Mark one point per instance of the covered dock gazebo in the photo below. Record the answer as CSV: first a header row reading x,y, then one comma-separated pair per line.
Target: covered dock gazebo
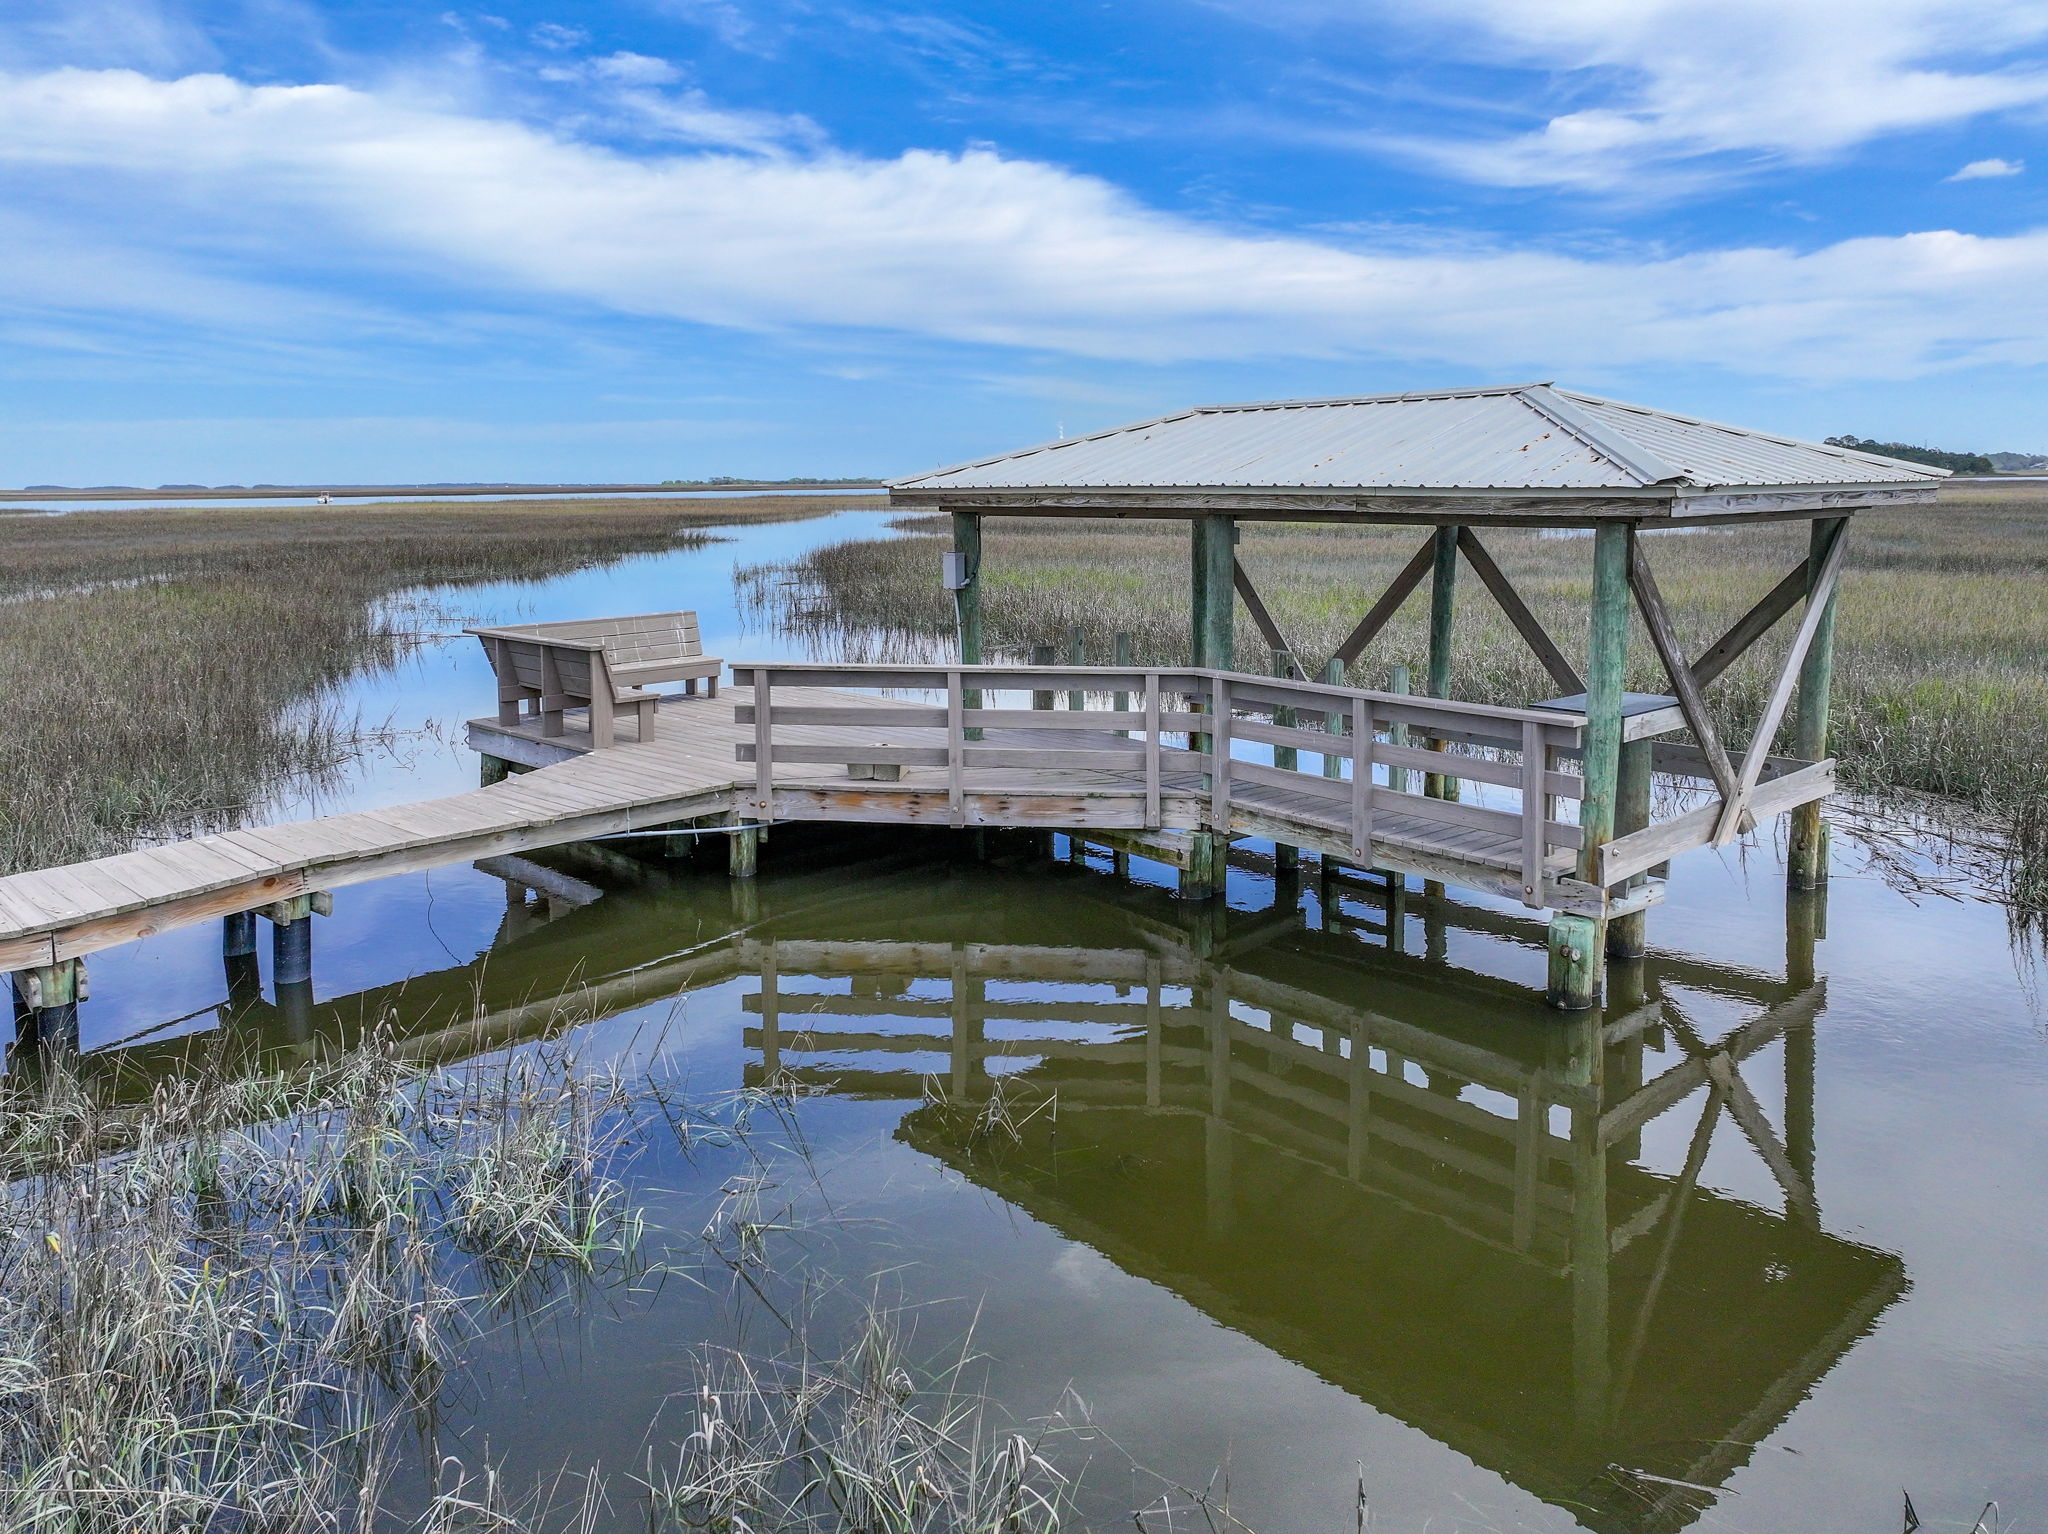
x,y
1458,462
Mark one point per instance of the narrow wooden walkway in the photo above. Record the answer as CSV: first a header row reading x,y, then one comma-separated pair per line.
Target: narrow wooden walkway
x,y
686,773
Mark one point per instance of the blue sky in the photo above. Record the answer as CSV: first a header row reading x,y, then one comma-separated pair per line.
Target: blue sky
x,y
288,241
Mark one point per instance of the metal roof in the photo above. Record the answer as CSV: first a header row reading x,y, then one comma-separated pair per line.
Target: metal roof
x,y
1529,437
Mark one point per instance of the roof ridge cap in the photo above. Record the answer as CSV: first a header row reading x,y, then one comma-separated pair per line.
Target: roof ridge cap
x,y
1553,404
1762,436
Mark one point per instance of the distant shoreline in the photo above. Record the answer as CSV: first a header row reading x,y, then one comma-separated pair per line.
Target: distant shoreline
x,y
386,492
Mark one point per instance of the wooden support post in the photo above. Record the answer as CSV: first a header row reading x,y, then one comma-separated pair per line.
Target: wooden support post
x,y
492,769
1578,943
967,599
1077,655
742,850
47,999
1041,655
1806,862
291,952
1213,624
771,1017
1120,655
238,934
1333,721
1208,854
1627,935
1443,603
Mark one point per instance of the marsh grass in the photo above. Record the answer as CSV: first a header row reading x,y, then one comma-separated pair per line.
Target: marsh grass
x,y
167,668
235,1305
1939,688
247,1301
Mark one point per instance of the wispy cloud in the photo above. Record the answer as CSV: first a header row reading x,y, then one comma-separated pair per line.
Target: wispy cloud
x,y
1987,170
1698,87
298,184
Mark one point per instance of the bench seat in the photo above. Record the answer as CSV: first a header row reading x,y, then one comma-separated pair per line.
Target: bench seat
x,y
602,663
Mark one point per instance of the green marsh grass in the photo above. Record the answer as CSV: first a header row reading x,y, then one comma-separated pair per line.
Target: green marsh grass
x,y
166,668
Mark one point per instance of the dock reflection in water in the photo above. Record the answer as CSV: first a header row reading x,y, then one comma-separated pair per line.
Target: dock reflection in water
x,y
1419,1183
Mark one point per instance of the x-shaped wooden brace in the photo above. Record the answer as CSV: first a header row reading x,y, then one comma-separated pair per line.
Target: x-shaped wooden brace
x,y
1688,680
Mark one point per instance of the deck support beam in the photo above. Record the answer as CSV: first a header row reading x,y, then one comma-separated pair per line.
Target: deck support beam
x,y
1806,859
1578,942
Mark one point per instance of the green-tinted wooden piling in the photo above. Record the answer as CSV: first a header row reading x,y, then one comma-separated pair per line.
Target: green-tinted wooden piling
x,y
1578,943
1212,613
490,769
1207,865
1333,761
1042,655
967,601
1120,655
1443,610
1806,861
743,852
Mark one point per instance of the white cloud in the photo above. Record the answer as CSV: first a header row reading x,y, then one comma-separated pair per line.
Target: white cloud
x,y
320,180
1985,170
1666,82
636,69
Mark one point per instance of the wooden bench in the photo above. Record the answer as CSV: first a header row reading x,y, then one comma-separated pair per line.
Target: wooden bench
x,y
601,663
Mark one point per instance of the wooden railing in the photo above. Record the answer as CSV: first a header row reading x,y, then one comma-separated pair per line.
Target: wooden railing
x,y
1188,731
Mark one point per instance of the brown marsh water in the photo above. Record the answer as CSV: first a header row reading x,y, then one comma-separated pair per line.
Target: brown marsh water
x,y
1291,1194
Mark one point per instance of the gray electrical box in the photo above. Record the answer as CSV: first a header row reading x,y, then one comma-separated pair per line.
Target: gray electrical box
x,y
956,572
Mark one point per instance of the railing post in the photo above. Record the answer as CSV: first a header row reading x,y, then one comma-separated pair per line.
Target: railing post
x,y
764,746
1285,858
1041,655
1219,761
1627,936
1399,681
1077,655
1361,780
1152,815
1535,841
956,749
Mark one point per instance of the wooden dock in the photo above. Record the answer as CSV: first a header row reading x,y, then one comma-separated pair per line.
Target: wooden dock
x,y
1169,763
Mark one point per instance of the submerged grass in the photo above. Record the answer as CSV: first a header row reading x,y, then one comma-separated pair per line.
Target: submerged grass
x,y
167,668
1938,690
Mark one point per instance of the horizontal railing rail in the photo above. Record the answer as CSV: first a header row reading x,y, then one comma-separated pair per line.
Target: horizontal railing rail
x,y
1182,731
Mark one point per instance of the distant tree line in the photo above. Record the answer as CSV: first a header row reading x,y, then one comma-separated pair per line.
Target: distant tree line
x,y
1961,463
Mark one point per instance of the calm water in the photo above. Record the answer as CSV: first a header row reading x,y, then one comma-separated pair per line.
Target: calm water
x,y
1303,1182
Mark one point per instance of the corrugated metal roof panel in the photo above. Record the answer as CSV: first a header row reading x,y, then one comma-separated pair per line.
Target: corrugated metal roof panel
x,y
1524,436
1711,455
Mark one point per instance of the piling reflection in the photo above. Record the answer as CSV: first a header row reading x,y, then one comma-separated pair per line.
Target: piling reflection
x,y
1417,1182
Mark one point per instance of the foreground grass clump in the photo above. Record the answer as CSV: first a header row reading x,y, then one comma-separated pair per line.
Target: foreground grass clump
x,y
1938,688
252,1302
167,668
236,1305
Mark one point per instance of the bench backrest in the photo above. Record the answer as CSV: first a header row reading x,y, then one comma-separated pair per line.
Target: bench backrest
x,y
643,637
578,665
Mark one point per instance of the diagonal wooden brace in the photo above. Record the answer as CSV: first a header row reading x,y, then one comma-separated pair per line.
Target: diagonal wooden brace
x,y
1692,702
1390,601
1533,633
